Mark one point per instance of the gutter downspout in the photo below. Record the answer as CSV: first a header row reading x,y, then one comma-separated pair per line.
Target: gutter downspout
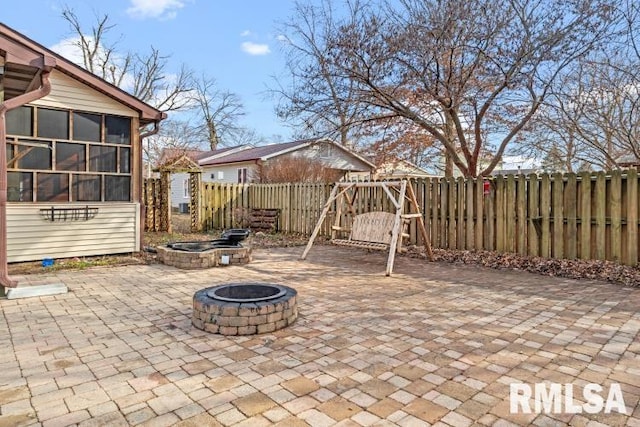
x,y
143,206
5,106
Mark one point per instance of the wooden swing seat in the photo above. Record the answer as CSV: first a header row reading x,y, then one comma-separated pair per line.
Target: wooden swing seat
x,y
371,230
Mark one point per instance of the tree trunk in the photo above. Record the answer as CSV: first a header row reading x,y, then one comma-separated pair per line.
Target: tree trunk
x,y
448,164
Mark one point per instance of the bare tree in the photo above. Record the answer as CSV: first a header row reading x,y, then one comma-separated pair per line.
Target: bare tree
x,y
592,118
145,76
295,169
178,135
311,97
485,67
218,111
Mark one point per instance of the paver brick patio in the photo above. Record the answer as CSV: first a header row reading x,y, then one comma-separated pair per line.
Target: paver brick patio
x,y
434,344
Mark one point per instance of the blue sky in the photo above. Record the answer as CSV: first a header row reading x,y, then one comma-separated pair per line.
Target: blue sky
x,y
233,41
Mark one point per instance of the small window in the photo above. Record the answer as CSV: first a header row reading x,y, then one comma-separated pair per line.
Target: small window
x,y
242,175
86,188
185,188
53,123
20,186
117,188
70,157
53,187
20,121
213,176
87,127
325,150
220,174
125,159
102,159
118,130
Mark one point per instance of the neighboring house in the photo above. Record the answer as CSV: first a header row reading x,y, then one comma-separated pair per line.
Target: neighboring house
x,y
180,193
243,166
629,161
73,156
400,169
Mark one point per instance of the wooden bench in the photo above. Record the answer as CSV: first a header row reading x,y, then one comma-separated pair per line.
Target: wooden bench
x,y
264,219
371,230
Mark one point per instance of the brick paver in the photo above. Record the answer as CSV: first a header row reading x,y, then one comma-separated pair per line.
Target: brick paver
x,y
433,344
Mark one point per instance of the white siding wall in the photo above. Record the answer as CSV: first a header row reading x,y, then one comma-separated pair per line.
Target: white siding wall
x,y
331,156
230,172
30,237
68,93
177,189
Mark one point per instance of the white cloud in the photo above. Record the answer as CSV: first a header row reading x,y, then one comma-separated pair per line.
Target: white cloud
x,y
69,49
160,9
282,38
246,33
255,48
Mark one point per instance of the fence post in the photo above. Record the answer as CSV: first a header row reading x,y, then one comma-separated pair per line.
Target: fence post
x,y
632,217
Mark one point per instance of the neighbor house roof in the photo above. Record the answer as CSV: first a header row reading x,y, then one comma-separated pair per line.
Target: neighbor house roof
x,y
266,152
170,154
25,59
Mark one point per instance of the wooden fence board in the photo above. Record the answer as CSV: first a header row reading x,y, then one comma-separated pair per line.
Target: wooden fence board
x,y
570,212
479,214
469,216
615,203
632,217
533,208
557,191
585,216
521,206
600,205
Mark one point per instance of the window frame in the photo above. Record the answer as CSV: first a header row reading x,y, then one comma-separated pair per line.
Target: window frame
x,y
121,169
242,175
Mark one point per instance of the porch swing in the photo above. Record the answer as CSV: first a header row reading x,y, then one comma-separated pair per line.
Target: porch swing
x,y
375,230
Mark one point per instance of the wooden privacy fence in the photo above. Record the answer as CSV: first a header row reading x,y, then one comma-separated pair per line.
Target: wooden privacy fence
x,y
586,215
228,205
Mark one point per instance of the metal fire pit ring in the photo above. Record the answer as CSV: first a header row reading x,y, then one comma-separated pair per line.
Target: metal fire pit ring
x,y
247,292
244,308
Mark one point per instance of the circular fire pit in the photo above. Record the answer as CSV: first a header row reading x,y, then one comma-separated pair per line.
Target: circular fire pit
x,y
244,308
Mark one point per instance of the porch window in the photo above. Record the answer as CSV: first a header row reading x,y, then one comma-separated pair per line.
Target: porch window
x,y
118,130
53,123
87,127
20,121
86,188
20,186
71,157
65,155
53,187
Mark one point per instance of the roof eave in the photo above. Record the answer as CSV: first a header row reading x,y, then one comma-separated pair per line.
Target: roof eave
x,y
30,50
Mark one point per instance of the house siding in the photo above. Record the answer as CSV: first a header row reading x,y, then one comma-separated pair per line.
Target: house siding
x,y
230,172
335,158
177,189
67,93
30,237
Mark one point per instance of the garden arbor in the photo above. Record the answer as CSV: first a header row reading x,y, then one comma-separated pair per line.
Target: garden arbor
x,y
181,164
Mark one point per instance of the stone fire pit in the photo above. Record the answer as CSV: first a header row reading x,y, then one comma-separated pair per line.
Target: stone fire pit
x,y
244,308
